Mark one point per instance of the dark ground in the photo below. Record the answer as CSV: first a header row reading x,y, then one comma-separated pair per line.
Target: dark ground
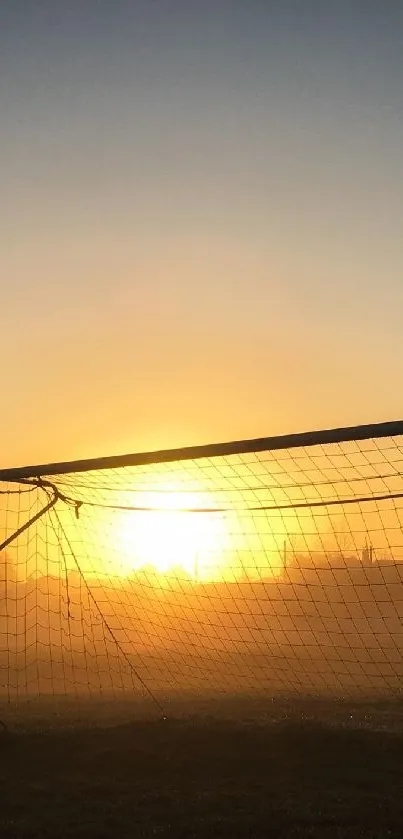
x,y
300,771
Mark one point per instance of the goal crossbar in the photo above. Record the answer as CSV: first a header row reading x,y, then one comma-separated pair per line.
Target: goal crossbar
x,y
236,447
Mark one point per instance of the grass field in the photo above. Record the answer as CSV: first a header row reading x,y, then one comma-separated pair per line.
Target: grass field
x,y
300,771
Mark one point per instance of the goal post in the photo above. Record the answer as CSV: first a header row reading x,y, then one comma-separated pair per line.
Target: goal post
x,y
258,568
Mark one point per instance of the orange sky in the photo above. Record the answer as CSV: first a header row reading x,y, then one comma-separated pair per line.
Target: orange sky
x,y
202,238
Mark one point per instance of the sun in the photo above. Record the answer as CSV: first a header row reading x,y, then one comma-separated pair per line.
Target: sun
x,y
176,530
167,531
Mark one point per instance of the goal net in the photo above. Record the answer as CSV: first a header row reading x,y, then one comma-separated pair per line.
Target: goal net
x,y
267,567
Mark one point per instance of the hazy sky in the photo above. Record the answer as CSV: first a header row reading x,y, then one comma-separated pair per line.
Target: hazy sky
x,y
201,234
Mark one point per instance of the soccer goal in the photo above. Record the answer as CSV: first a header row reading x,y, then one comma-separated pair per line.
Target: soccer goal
x,y
256,568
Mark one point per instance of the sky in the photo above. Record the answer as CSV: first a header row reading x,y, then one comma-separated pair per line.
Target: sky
x,y
201,221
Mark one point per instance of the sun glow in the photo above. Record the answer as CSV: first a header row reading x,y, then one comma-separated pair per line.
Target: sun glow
x,y
181,530
174,530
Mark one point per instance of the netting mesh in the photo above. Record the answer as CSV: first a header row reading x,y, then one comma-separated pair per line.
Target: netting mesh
x,y
269,572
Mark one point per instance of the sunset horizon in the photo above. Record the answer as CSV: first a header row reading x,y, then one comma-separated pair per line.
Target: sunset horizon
x,y
201,467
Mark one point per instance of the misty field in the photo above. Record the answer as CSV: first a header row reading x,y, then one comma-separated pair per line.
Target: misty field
x,y
307,769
